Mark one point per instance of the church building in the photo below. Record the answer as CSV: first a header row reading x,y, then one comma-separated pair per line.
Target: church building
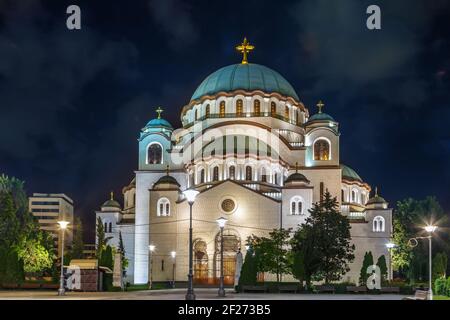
x,y
258,158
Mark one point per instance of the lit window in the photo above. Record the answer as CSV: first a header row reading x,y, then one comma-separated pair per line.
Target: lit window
x,y
296,206
257,108
163,207
342,196
321,150
273,108
207,111
354,196
239,108
154,154
222,109
263,175
378,224
286,113
202,176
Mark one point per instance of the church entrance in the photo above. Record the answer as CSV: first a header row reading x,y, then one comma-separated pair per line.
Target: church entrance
x,y
231,246
200,262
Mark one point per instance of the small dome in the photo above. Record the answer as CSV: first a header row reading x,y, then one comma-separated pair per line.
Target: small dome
x,y
158,123
350,174
296,177
248,77
111,203
321,117
167,179
376,199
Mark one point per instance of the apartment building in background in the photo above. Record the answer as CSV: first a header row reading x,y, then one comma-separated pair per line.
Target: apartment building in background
x,y
49,208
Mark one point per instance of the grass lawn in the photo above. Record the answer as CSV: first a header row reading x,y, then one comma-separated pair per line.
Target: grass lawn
x,y
441,298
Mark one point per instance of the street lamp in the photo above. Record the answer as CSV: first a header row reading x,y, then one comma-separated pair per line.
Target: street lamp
x,y
390,246
151,249
221,222
190,195
63,226
430,229
173,254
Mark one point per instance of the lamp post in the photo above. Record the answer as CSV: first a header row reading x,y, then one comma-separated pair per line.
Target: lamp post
x,y
151,248
173,254
190,195
430,229
390,246
63,226
221,222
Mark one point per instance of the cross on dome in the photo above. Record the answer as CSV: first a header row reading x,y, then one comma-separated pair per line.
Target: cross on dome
x,y
159,111
320,105
112,195
245,47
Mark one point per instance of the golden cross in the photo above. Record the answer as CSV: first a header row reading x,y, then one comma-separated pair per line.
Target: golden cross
x,y
320,105
245,47
112,195
159,110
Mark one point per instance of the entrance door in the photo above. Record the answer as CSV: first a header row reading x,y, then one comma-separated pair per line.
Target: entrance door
x,y
231,245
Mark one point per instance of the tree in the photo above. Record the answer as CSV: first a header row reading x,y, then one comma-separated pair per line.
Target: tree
x,y
439,265
78,243
272,252
248,271
330,233
381,263
102,240
106,259
401,253
36,258
367,261
122,252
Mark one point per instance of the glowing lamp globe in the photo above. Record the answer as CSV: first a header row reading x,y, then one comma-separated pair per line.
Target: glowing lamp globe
x,y
151,247
190,195
222,222
430,229
63,224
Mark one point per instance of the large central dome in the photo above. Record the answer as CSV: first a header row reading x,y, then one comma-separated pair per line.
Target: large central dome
x,y
247,77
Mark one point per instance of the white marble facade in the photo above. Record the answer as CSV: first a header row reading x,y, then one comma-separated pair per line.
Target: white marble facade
x,y
258,158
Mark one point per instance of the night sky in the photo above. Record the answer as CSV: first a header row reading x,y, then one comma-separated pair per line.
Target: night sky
x,y
72,103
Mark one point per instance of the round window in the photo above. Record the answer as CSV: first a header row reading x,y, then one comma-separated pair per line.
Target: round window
x,y
228,205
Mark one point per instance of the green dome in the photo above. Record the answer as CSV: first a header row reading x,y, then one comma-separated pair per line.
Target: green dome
x,y
246,77
321,117
159,122
167,179
111,203
298,177
350,174
376,199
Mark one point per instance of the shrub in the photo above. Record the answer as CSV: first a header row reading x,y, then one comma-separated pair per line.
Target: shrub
x,y
107,282
448,286
440,286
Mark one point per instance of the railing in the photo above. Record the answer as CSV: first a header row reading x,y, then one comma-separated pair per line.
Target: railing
x,y
241,115
273,195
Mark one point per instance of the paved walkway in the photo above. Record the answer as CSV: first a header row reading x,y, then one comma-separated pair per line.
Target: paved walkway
x,y
178,294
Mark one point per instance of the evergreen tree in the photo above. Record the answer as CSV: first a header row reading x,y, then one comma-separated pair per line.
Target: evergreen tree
x,y
306,259
106,259
367,262
122,252
102,240
381,263
78,243
248,270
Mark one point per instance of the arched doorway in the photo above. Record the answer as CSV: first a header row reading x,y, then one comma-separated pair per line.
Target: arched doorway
x,y
200,262
231,245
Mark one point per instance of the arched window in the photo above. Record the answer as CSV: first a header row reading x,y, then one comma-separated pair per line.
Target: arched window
x,y
297,117
163,207
195,115
202,176
363,198
207,111
248,173
239,108
263,175
296,206
354,196
106,226
257,108
154,154
222,109
110,227
286,113
273,108
232,172
378,224
275,178
321,150
216,174
342,196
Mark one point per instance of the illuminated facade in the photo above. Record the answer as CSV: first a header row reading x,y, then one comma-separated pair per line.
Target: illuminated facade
x,y
258,158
